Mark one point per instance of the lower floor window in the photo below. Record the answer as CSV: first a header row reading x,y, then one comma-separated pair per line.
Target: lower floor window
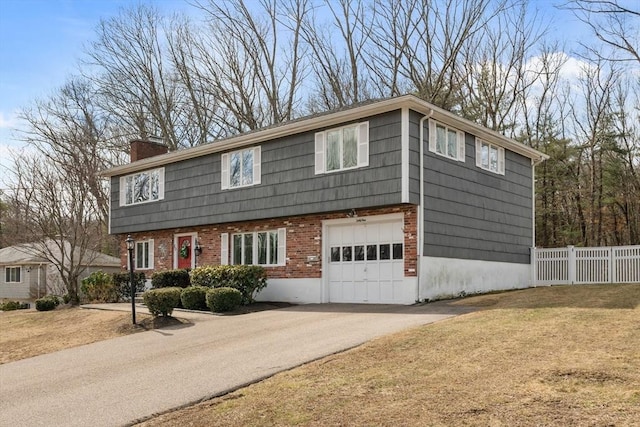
x,y
144,255
259,248
12,274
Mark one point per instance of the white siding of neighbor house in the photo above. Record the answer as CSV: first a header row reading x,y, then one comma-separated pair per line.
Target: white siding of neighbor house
x,y
33,286
28,286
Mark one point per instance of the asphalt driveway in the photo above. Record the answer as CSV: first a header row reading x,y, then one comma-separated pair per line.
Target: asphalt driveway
x,y
119,381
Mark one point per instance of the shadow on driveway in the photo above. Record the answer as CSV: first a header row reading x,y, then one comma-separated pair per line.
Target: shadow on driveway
x,y
438,307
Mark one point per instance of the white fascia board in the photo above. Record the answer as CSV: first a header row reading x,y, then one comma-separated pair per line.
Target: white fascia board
x,y
322,121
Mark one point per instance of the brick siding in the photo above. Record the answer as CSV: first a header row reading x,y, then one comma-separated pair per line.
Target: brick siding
x,y
304,239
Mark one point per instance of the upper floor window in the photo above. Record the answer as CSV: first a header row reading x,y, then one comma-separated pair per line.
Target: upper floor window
x,y
258,248
144,255
142,187
489,157
446,141
241,168
342,148
12,274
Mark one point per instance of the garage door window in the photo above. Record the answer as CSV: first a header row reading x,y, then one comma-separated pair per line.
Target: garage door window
x,y
382,252
385,252
372,252
397,251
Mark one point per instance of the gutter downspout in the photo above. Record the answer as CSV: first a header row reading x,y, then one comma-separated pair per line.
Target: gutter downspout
x,y
420,224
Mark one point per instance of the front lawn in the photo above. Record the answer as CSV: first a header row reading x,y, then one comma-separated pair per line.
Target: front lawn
x,y
556,356
28,333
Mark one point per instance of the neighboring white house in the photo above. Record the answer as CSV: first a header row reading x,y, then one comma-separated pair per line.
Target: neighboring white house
x,y
26,274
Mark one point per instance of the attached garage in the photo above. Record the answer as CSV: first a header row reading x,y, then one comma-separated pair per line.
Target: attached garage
x,y
365,260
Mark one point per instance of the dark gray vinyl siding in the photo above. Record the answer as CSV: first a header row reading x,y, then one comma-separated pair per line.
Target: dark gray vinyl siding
x,y
475,214
289,186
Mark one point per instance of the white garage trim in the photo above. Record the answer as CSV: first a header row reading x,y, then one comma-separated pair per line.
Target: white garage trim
x,y
366,280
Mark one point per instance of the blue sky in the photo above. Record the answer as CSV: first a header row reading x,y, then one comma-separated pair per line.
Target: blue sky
x,y
41,41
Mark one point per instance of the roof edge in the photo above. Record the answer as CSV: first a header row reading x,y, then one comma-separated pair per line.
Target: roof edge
x,y
326,120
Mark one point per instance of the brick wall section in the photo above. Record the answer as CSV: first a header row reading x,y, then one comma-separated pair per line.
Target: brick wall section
x,y
304,239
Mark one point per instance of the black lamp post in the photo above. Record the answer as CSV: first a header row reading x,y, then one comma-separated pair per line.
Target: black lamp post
x,y
197,251
130,246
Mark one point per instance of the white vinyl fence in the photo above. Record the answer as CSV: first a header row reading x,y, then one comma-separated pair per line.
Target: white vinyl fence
x,y
571,265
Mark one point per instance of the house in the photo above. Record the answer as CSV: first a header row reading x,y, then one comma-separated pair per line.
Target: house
x,y
27,274
393,201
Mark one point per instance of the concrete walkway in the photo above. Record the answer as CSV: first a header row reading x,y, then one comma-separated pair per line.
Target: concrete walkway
x,y
119,381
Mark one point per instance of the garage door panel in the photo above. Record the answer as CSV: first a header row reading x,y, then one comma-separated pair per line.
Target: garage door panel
x,y
385,272
373,291
373,271
398,269
387,234
386,290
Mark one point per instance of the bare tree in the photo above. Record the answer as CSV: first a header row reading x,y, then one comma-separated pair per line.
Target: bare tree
x,y
338,54
135,82
76,136
497,68
252,60
613,24
435,56
60,217
199,108
393,30
594,130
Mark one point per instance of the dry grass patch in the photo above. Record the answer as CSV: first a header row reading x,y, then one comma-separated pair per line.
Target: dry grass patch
x,y
546,356
28,333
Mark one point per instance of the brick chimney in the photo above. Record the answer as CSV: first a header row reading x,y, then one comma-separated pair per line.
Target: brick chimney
x,y
141,149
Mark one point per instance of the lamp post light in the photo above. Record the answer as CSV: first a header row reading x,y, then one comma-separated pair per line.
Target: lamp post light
x,y
197,251
130,246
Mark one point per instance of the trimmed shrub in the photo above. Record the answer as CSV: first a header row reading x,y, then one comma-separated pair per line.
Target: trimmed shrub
x,y
162,301
123,287
194,298
99,287
47,303
248,279
223,299
207,275
10,306
170,278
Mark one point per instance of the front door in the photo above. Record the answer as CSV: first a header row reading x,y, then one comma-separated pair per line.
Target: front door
x,y
185,253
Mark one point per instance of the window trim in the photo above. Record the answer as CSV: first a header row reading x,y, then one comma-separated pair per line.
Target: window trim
x,y
123,185
227,249
460,141
362,147
501,157
7,274
150,255
225,168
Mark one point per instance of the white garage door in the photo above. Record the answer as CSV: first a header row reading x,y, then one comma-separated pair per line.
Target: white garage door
x,y
366,262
